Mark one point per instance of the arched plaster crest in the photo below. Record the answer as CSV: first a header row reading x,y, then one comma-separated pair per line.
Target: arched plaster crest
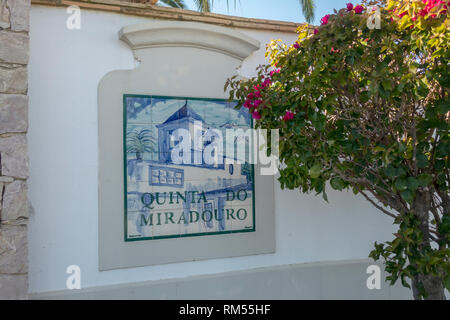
x,y
188,34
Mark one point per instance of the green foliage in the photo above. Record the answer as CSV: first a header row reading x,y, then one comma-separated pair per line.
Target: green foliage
x,y
405,257
203,5
308,10
370,114
175,3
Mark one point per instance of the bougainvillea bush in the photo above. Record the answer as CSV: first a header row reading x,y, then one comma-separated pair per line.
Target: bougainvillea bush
x,y
366,109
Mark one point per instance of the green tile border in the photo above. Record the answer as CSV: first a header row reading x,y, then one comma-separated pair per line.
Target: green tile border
x,y
126,238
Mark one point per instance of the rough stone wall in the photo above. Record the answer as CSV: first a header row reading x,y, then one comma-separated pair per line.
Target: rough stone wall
x,y
14,51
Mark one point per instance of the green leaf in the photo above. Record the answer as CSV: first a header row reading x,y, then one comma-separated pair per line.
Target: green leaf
x,y
324,195
378,149
407,195
447,282
444,227
386,85
443,107
390,171
424,179
401,184
405,283
315,170
337,183
422,161
413,183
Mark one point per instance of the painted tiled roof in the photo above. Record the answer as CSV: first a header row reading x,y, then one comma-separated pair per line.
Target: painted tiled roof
x,y
184,112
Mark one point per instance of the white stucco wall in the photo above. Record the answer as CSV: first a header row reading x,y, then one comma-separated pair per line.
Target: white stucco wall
x,y
64,70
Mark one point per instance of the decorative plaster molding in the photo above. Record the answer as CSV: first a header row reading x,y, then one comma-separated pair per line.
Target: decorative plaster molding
x,y
189,34
165,13
178,59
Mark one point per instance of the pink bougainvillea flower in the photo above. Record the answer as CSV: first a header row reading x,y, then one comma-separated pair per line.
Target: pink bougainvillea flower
x,y
296,45
403,14
430,4
257,94
334,50
316,31
247,104
349,6
359,9
256,115
266,83
324,20
288,116
423,12
256,103
274,71
250,95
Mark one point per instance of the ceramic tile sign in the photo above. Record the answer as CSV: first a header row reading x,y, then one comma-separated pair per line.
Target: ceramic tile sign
x,y
180,178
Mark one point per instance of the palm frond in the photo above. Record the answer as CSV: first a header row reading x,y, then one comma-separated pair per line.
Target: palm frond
x,y
228,4
308,10
203,5
175,3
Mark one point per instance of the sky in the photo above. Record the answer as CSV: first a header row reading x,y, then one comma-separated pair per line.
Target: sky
x,y
284,10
